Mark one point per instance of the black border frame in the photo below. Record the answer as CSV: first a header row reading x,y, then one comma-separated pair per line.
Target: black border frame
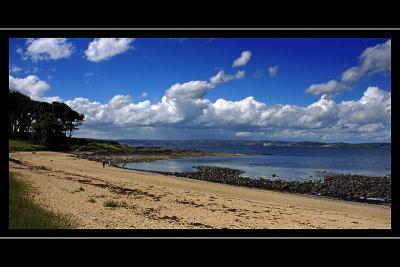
x,y
201,33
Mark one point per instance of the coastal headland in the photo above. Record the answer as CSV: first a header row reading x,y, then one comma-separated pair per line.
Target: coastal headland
x,y
148,154
114,198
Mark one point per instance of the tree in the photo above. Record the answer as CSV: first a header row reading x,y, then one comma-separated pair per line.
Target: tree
x,y
70,119
48,130
45,123
20,115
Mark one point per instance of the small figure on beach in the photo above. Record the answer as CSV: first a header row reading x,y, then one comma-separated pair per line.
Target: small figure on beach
x,y
109,163
104,164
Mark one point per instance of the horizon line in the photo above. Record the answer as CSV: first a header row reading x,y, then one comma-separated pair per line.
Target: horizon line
x,y
243,140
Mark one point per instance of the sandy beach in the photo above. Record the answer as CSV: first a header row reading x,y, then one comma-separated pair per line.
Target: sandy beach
x,y
145,200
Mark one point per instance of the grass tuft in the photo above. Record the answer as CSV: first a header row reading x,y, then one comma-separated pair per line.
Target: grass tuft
x,y
93,146
22,145
80,189
24,213
110,204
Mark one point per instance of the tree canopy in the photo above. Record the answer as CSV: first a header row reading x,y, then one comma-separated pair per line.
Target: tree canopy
x,y
44,123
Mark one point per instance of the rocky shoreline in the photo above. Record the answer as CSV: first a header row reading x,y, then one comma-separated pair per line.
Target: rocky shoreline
x,y
148,154
360,188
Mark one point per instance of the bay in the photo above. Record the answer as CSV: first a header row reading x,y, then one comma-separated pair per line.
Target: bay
x,y
284,162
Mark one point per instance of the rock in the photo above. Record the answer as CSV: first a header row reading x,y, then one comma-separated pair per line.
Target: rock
x,y
342,186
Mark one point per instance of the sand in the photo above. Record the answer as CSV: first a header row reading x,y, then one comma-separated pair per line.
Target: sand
x,y
153,201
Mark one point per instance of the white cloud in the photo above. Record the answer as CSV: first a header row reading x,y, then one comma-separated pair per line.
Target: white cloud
x,y
352,74
105,48
243,134
242,60
332,87
322,113
373,107
189,90
185,108
14,69
371,128
47,48
144,95
273,71
221,77
373,60
31,85
20,51
240,74
119,101
49,99
324,119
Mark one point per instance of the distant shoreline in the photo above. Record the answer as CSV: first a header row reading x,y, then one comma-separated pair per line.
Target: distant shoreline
x,y
149,154
210,142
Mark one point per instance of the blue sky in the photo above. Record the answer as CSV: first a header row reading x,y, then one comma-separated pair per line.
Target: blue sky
x,y
144,69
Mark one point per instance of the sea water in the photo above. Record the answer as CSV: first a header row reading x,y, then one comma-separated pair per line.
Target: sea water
x,y
288,163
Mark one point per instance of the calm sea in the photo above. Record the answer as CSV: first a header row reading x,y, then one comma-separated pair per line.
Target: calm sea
x,y
289,163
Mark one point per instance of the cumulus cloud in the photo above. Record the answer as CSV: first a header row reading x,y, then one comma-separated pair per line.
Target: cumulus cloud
x,y
189,90
47,48
187,109
242,60
119,101
31,86
198,89
373,60
376,59
273,71
373,107
332,87
221,77
105,48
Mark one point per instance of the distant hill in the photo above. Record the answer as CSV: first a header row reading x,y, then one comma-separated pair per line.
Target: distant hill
x,y
212,142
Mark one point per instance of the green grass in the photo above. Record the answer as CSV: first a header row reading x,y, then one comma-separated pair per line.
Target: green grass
x,y
22,145
92,200
102,146
110,204
24,213
80,189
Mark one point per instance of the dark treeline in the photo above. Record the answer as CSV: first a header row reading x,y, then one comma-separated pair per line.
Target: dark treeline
x,y
43,123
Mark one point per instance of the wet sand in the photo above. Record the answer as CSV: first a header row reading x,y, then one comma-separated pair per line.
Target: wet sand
x,y
148,200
